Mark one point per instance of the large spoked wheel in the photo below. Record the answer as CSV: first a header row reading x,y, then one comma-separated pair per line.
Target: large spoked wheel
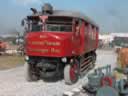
x,y
29,74
71,74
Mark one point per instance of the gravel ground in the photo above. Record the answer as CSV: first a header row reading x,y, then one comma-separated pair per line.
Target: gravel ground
x,y
13,83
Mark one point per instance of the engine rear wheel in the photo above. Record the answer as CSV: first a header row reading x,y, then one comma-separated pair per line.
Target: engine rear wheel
x,y
29,74
93,60
71,75
94,57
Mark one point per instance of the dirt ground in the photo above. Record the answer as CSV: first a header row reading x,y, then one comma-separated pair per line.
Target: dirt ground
x,y
7,62
13,82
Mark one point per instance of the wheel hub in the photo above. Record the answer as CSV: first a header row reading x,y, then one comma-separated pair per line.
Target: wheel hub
x,y
73,72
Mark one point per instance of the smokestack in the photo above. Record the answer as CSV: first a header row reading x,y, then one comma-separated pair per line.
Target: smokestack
x,y
47,9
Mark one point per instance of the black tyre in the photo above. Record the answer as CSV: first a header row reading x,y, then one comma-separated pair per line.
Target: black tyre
x,y
29,74
94,57
93,60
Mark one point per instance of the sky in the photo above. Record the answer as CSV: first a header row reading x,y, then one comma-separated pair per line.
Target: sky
x,y
110,15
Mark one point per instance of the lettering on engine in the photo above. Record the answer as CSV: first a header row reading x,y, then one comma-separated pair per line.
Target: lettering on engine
x,y
52,50
45,43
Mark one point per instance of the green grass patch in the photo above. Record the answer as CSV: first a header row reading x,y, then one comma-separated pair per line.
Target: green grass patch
x,y
7,62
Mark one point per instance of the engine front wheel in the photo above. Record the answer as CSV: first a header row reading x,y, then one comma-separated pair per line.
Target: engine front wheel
x,y
29,74
71,75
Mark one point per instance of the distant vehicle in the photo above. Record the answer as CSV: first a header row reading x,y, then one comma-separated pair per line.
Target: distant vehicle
x,y
59,44
3,47
119,41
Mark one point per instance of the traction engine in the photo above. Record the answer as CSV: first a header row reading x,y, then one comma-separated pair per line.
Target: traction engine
x,y
59,44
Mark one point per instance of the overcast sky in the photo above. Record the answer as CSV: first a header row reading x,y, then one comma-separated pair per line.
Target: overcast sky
x,y
110,15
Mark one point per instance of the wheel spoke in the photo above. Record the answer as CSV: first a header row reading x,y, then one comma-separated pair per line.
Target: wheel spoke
x,y
73,72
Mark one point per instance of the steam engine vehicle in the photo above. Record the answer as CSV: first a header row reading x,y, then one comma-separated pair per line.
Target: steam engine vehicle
x,y
59,44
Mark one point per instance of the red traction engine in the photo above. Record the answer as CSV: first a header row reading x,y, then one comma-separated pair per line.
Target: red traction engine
x,y
59,44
